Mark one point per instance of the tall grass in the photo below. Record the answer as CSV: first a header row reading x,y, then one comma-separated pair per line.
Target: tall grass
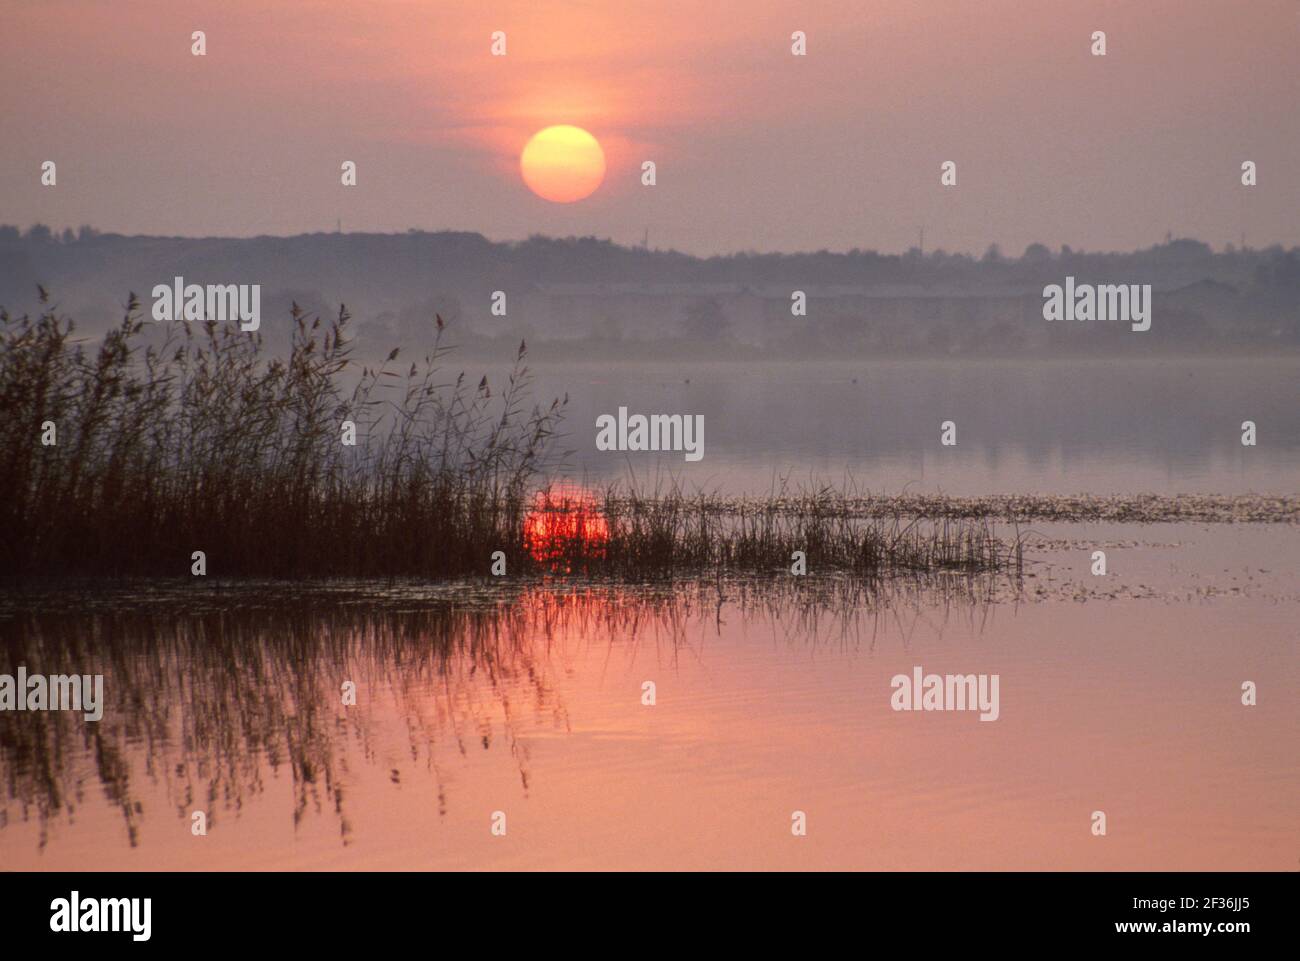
x,y
193,438
201,442
629,533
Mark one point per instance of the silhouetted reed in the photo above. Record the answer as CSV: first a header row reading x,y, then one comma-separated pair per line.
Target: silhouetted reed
x,y
201,442
192,438
628,533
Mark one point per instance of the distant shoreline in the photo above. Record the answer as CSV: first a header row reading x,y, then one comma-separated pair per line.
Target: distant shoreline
x,y
642,353
1070,508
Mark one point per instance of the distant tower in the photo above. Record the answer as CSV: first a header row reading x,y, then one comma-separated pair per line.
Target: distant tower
x,y
340,226
645,239
922,244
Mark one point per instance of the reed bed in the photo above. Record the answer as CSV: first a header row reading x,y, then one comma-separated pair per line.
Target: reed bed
x,y
629,534
193,438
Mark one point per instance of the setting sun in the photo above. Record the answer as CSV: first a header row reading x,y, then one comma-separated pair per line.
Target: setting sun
x,y
562,164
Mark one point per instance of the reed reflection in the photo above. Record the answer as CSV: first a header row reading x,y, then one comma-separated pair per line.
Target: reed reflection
x,y
210,693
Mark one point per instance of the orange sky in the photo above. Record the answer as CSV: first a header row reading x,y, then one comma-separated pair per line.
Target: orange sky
x,y
755,148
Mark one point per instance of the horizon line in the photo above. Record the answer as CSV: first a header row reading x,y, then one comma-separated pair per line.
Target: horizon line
x,y
1003,256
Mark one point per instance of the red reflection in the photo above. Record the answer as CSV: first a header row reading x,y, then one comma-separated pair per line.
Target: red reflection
x,y
566,523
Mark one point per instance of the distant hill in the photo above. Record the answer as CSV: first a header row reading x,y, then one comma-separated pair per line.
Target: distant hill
x,y
566,294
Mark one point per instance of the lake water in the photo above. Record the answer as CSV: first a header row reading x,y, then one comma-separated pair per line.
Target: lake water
x,y
1120,694
1095,426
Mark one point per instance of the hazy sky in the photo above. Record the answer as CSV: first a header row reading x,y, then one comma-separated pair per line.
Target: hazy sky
x,y
756,148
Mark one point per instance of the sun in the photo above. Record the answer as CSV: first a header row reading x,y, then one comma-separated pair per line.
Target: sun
x,y
562,164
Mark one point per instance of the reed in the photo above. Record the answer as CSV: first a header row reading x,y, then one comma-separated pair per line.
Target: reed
x,y
191,437
629,533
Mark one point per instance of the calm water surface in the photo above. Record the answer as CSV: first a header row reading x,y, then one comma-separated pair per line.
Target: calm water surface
x,y
1119,694
1094,426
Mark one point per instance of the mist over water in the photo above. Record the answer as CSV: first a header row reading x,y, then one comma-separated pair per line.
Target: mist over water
x,y
1098,426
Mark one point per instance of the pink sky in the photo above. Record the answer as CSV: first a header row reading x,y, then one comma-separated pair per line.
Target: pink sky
x,y
756,149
